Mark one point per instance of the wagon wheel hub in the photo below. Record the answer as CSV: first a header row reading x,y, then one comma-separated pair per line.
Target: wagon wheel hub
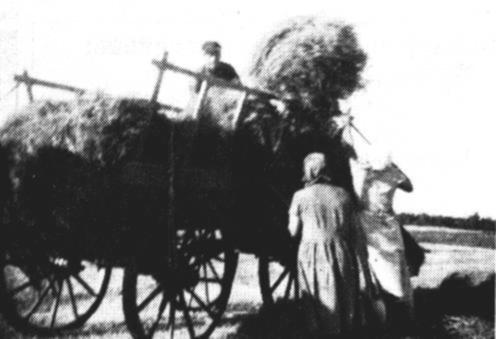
x,y
175,279
63,268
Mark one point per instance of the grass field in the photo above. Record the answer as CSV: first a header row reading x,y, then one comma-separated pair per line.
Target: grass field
x,y
449,236
454,292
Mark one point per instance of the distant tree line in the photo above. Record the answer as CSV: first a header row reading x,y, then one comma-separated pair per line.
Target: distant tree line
x,y
474,222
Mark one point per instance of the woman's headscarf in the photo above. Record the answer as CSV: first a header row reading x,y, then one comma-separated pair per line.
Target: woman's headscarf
x,y
314,167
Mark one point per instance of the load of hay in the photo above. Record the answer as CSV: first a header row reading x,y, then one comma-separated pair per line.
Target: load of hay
x,y
315,62
102,130
92,174
96,169
76,126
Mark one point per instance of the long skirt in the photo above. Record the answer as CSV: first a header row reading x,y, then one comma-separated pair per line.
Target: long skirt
x,y
387,254
328,282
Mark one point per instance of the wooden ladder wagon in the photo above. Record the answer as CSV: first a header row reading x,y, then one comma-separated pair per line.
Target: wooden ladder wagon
x,y
152,302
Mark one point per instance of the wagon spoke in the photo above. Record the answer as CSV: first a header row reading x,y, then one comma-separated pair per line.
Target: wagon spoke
x,y
210,280
57,303
279,280
85,285
150,298
173,322
207,292
276,279
172,316
161,309
288,286
189,322
40,301
214,271
21,288
190,300
219,258
201,302
73,299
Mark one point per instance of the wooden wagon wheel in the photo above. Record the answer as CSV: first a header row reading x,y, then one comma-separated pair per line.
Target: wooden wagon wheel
x,y
51,295
276,280
198,289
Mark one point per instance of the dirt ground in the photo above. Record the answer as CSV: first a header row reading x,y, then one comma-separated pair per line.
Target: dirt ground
x,y
441,261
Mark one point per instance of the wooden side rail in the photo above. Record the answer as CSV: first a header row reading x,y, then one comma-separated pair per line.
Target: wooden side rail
x,y
206,83
165,65
29,81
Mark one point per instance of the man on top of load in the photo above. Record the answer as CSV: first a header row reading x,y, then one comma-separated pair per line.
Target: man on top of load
x,y
214,67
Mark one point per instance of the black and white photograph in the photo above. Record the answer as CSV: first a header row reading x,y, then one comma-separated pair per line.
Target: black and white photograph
x,y
247,170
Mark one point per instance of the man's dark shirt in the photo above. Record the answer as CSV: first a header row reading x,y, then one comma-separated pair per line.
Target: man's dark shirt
x,y
222,71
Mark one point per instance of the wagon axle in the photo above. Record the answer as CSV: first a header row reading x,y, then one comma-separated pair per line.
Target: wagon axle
x,y
178,277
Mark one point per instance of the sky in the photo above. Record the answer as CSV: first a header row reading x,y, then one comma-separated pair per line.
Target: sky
x,y
429,82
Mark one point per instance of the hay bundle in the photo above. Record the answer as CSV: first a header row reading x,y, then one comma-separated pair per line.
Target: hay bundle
x,y
96,169
100,130
109,132
313,60
64,172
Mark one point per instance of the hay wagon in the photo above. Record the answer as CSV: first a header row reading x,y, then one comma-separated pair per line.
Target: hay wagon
x,y
178,272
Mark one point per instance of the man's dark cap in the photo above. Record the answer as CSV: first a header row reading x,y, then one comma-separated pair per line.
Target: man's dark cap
x,y
211,47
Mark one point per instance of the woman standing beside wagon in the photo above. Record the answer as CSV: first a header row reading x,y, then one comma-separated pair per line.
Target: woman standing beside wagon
x,y
321,217
386,241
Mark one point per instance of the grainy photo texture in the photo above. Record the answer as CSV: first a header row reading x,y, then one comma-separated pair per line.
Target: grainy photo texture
x,y
264,170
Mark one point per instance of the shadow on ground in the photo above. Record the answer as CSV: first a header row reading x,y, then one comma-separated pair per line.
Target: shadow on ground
x,y
461,307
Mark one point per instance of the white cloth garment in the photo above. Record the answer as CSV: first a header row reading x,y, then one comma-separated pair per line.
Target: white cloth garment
x,y
384,239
